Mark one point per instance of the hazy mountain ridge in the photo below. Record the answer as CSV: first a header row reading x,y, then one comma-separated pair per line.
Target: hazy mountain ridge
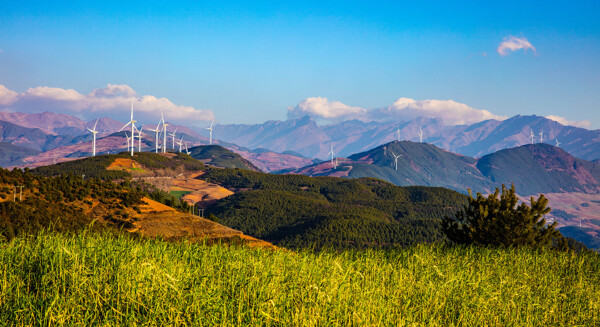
x,y
308,138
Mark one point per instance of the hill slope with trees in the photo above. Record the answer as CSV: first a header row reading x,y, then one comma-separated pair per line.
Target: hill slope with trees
x,y
218,156
298,211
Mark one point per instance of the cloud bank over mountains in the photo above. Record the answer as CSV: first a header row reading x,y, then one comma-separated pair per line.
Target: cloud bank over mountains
x,y
110,100
564,121
451,112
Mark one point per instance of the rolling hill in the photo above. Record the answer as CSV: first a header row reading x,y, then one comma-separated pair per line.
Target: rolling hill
x,y
533,168
541,168
12,155
218,156
572,184
69,196
298,211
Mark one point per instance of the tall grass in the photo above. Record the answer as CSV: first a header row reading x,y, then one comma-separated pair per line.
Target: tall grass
x,y
105,280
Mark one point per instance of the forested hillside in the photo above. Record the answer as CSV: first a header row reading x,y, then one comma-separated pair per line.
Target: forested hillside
x,y
218,156
299,211
63,203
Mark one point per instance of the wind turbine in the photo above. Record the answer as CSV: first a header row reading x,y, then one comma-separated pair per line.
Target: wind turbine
x,y
156,132
542,137
398,134
128,138
557,143
140,139
162,117
180,143
332,154
532,137
396,159
132,122
210,129
173,136
421,134
94,132
186,149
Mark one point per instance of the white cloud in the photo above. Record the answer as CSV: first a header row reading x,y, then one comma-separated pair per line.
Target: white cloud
x,y
319,107
513,43
112,100
564,121
7,97
451,112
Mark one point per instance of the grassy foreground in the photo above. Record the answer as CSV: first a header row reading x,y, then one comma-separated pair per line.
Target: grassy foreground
x,y
106,280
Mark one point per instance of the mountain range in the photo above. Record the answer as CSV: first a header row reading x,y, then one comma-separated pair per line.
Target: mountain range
x,y
309,139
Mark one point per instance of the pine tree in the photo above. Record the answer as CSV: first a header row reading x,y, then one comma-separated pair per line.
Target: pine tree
x,y
497,220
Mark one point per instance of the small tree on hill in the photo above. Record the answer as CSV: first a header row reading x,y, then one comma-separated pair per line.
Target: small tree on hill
x,y
498,221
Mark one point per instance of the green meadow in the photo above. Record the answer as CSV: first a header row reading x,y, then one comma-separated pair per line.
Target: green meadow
x,y
94,279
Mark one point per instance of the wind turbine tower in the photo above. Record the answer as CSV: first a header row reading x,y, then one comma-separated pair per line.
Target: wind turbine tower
x,y
532,137
420,134
162,117
156,132
128,138
132,122
140,139
173,136
332,154
180,143
210,129
542,137
94,132
396,159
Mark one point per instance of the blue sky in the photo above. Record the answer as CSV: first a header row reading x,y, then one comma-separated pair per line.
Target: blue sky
x,y
248,63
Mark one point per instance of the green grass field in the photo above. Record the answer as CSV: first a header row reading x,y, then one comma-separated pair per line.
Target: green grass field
x,y
179,194
90,279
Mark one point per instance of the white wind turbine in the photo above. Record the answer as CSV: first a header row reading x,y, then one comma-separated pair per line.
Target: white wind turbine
x,y
180,143
332,154
132,122
210,129
186,149
557,143
420,134
162,117
398,134
140,139
396,159
94,132
156,132
532,137
173,136
542,137
128,138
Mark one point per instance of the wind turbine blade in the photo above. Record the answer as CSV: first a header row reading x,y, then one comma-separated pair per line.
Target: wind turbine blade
x,y
125,126
96,124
